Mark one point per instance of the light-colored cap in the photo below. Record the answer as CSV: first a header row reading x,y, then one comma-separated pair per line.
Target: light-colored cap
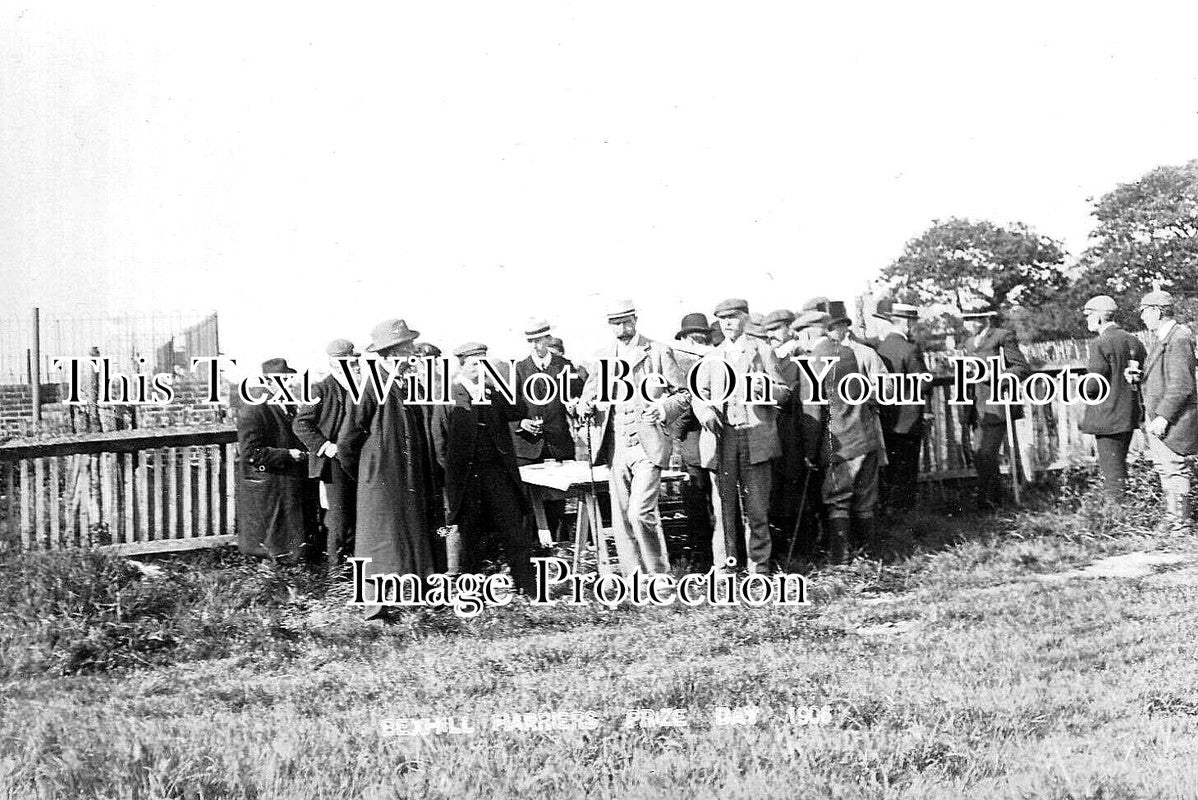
x,y
1159,299
1101,302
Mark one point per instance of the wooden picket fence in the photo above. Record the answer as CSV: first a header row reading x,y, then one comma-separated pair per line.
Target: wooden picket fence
x,y
158,490
138,491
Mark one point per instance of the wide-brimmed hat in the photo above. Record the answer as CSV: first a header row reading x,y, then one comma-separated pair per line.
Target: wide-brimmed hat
x,y
274,366
695,322
389,333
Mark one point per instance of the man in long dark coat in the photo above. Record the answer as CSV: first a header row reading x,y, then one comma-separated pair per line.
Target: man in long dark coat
x,y
384,445
318,426
483,491
1113,421
276,505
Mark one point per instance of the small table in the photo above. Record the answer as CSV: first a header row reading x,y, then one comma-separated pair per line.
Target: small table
x,y
558,479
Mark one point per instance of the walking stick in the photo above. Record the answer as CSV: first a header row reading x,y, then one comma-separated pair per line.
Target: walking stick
x,y
1012,450
794,534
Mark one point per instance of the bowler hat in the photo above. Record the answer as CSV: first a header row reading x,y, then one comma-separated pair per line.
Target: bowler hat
x,y
341,348
274,366
693,323
619,310
537,328
1159,298
733,305
778,319
470,349
389,333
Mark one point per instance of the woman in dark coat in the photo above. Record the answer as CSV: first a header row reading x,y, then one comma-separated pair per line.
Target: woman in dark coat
x,y
385,444
276,504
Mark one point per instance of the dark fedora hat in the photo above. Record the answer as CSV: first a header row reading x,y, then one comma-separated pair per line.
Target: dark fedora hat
x,y
389,333
274,366
693,323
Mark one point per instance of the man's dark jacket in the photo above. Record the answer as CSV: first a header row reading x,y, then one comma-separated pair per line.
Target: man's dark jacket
x,y
995,341
903,357
1121,411
456,430
555,436
276,504
1169,390
318,424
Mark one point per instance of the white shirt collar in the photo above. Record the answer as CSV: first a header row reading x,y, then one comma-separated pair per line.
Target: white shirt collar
x,y
542,363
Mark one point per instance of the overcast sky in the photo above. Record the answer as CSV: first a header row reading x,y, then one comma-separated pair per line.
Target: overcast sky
x,y
309,172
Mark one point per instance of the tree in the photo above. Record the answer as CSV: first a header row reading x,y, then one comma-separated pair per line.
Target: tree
x,y
960,262
1147,232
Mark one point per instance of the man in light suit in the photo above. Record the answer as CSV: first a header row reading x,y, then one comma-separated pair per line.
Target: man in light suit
x,y
633,437
989,420
1113,421
1170,405
739,439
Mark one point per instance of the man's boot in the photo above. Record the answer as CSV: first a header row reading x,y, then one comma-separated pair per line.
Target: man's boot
x,y
838,539
867,535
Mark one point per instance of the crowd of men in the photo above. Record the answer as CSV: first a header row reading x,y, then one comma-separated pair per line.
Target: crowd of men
x,y
421,488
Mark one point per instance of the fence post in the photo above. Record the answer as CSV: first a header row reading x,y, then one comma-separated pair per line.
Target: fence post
x,y
35,370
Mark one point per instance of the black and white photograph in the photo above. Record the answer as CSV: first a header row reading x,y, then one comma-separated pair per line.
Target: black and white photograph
x,y
614,400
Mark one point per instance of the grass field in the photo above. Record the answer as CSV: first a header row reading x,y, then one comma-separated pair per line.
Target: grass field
x,y
973,665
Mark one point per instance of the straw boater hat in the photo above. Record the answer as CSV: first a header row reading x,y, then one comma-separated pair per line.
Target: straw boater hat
x,y
889,310
621,309
536,328
977,312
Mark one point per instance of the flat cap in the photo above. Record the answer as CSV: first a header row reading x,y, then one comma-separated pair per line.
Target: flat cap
x,y
809,319
778,319
341,348
1101,302
816,304
619,310
1159,299
470,349
536,328
733,305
